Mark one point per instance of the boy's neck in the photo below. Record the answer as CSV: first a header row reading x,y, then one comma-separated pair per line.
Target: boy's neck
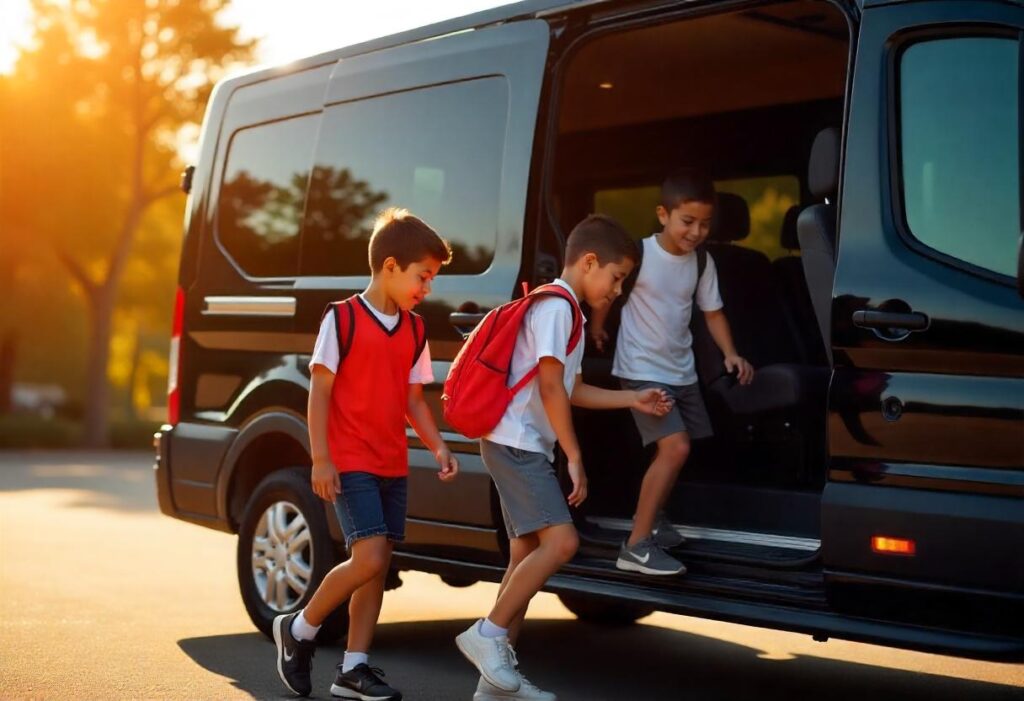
x,y
574,279
379,299
666,244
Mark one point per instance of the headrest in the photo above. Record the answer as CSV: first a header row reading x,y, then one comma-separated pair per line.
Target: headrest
x,y
788,237
823,169
731,221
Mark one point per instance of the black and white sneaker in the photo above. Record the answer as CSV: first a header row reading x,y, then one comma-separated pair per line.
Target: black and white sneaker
x,y
363,682
665,534
294,657
646,557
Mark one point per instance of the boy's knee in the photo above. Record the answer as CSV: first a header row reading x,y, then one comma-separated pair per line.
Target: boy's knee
x,y
675,449
372,559
566,545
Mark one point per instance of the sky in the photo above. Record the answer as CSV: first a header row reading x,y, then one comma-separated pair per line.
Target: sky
x,y
287,30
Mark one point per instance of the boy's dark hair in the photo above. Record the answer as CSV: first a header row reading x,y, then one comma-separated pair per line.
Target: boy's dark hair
x,y
687,185
604,237
399,235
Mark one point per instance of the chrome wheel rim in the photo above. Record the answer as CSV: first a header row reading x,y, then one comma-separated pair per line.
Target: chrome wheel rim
x,y
282,556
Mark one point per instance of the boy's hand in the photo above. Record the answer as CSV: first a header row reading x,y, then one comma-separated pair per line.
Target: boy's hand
x,y
325,481
579,482
744,370
447,462
652,401
599,336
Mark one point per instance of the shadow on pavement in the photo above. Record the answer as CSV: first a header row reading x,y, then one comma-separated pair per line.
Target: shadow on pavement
x,y
583,662
105,479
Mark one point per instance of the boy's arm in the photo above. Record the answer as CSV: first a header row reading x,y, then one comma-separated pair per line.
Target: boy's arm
x,y
422,421
324,476
718,325
650,401
559,413
595,326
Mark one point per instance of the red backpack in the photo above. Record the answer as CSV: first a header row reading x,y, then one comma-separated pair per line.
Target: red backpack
x,y
476,392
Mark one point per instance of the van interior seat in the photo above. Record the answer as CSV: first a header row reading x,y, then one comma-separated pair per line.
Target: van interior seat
x,y
789,273
816,229
761,332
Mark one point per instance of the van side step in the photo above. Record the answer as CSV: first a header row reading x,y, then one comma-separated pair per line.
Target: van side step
x,y
712,544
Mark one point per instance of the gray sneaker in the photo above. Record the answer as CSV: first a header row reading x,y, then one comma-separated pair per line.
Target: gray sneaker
x,y
665,534
646,557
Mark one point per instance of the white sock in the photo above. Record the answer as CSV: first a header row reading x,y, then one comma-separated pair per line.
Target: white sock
x,y
301,630
490,630
352,660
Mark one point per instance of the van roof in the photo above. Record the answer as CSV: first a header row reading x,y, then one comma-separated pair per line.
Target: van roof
x,y
525,9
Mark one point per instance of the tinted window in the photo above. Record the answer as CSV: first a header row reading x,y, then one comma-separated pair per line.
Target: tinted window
x,y
435,151
960,148
261,198
767,198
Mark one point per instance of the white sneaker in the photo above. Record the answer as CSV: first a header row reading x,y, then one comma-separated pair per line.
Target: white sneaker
x,y
527,692
491,656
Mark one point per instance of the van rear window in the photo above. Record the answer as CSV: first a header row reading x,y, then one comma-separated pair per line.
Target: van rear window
x,y
259,213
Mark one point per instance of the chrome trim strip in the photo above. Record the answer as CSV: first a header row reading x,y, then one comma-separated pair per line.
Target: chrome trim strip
x,y
249,306
719,534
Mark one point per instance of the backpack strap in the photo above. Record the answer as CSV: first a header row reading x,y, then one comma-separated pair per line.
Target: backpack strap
x,y
702,264
344,325
630,282
419,336
552,290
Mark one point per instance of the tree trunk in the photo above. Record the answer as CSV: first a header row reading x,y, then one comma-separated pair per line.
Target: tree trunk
x,y
97,388
8,353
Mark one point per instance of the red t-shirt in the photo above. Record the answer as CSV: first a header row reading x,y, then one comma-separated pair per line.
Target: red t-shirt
x,y
370,396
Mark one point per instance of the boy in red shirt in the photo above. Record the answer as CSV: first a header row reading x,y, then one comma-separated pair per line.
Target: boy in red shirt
x,y
362,391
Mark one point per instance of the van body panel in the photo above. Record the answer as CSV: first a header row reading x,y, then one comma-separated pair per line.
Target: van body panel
x,y
919,410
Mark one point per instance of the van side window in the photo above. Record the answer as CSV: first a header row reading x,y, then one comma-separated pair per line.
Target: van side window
x,y
262,195
960,145
436,151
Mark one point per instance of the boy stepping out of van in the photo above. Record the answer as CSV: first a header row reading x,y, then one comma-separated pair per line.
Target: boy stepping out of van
x,y
654,350
519,451
367,373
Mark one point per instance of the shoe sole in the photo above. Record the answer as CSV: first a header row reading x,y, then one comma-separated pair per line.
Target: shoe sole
x,y
487,696
279,643
479,668
630,566
343,692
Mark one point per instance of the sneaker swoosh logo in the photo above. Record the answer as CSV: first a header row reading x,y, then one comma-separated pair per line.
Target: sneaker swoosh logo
x,y
287,657
643,560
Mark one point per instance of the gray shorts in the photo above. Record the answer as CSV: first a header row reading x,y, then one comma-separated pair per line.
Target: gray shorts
x,y
689,414
531,498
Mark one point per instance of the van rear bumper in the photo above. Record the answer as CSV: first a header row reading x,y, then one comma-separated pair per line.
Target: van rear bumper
x,y
187,461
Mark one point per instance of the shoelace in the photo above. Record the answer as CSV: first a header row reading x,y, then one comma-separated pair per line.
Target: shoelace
x,y
523,681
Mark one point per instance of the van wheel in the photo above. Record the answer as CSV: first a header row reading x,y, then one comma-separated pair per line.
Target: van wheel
x,y
284,551
604,611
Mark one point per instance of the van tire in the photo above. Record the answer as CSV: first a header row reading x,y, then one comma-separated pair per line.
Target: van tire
x,y
289,491
604,611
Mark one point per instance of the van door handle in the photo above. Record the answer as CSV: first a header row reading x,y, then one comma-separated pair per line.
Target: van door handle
x,y
465,322
890,326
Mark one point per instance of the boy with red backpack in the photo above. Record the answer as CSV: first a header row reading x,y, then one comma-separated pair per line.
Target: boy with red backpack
x,y
543,373
366,381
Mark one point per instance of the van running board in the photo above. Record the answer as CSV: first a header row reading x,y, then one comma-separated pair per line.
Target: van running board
x,y
713,544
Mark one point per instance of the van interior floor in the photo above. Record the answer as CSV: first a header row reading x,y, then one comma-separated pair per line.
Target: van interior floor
x,y
783,569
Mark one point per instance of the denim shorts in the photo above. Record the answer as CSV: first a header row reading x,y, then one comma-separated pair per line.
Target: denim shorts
x,y
370,505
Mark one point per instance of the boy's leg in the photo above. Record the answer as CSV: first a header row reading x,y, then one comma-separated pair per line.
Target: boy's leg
x,y
673,450
557,545
364,606
519,549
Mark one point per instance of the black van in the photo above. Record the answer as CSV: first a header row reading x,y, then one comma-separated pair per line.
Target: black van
x,y
869,485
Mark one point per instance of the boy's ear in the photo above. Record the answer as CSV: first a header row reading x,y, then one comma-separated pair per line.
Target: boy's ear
x,y
390,264
662,214
590,261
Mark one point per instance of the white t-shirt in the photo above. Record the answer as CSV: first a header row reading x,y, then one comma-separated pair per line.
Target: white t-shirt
x,y
654,341
325,352
544,334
